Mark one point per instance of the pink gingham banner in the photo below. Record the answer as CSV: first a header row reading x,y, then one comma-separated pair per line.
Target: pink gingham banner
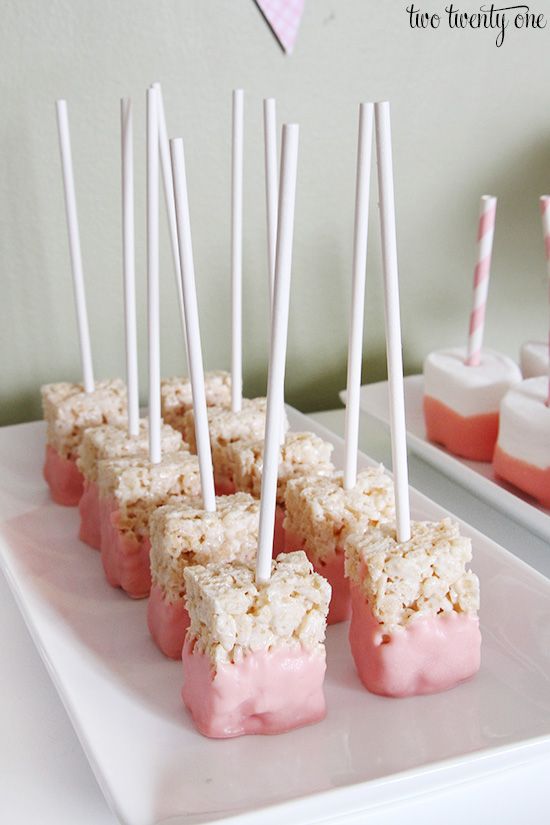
x,y
284,18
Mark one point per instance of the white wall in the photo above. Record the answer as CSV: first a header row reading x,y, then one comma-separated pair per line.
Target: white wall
x,y
468,118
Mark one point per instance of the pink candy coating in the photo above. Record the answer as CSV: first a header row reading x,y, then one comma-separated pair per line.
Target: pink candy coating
x,y
167,622
125,559
63,477
430,654
90,523
265,692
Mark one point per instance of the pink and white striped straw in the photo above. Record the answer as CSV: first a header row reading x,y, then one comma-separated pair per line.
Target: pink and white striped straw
x,y
545,214
485,235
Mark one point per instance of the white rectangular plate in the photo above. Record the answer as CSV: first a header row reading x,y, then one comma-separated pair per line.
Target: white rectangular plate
x,y
476,476
122,695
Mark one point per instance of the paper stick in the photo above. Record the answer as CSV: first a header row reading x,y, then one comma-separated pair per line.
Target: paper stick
x,y
194,350
128,263
272,194
153,320
74,246
355,342
545,214
271,187
237,250
168,187
485,235
393,322
277,350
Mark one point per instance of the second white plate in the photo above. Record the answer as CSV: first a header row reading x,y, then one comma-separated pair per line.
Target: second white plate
x,y
476,476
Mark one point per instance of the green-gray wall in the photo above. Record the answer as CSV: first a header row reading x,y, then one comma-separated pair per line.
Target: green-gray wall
x,y
468,119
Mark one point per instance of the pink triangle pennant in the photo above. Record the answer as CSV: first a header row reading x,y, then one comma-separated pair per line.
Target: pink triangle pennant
x,y
284,18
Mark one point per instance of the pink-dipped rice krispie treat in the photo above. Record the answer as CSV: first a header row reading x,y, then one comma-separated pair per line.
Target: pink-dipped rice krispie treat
x,y
111,441
414,626
302,454
177,398
183,534
130,489
254,657
522,454
68,412
225,428
461,402
319,516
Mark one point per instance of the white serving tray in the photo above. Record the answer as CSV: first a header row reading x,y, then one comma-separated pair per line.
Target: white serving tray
x,y
476,476
153,767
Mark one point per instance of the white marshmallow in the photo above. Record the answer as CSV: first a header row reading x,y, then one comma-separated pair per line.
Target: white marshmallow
x,y
469,390
533,358
524,427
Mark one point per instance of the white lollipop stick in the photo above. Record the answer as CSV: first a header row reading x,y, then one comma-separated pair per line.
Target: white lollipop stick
x,y
355,343
271,194
153,320
128,261
168,187
271,187
277,350
192,324
237,251
74,246
393,322
545,214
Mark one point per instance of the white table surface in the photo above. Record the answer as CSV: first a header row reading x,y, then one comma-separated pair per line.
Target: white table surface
x,y
45,777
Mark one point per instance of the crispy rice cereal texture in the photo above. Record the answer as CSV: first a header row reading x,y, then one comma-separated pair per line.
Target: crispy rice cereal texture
x,y
177,398
112,441
68,411
322,513
231,614
182,534
226,426
424,576
139,487
302,454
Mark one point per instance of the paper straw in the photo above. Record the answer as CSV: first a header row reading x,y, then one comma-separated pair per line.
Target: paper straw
x,y
271,187
355,342
192,324
74,246
237,250
277,350
393,322
128,263
153,321
545,214
168,187
485,235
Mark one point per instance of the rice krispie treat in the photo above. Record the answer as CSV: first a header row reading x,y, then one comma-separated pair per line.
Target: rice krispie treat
x,y
227,427
319,516
414,626
68,412
302,454
111,441
183,534
254,657
130,489
177,398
